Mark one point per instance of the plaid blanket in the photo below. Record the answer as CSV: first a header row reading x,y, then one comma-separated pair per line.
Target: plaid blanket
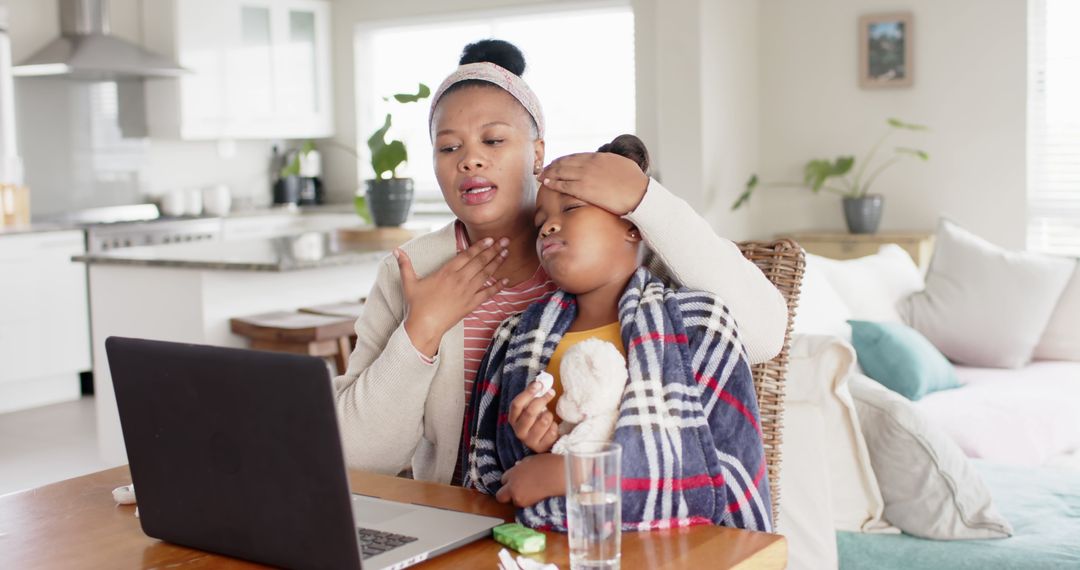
x,y
688,420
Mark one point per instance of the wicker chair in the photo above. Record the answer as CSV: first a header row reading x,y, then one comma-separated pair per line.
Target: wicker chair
x,y
783,262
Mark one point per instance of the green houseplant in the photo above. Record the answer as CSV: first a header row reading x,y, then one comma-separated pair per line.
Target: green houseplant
x,y
293,167
388,197
862,210
289,186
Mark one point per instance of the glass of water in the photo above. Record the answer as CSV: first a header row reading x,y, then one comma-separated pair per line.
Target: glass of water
x,y
594,505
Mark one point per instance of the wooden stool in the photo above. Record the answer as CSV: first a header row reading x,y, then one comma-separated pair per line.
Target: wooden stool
x,y
351,309
324,336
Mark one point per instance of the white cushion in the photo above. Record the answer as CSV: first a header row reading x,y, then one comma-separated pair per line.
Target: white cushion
x,y
806,515
818,370
873,286
931,490
821,310
983,305
1061,339
1026,416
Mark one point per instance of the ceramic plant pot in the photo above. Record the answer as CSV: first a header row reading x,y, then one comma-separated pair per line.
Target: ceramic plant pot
x,y
863,215
389,200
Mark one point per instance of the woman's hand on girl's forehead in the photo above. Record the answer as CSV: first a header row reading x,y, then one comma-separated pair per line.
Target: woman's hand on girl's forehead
x,y
552,203
609,181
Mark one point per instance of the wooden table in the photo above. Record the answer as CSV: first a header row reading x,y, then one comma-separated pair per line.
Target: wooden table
x,y
841,245
76,524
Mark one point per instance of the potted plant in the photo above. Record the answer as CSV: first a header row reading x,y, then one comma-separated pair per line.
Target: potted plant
x,y
293,184
862,210
388,197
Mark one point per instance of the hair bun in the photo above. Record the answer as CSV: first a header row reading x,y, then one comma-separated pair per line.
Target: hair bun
x,y
502,53
631,147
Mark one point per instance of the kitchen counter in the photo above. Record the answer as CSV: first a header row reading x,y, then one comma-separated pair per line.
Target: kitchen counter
x,y
148,213
36,227
285,253
263,210
188,292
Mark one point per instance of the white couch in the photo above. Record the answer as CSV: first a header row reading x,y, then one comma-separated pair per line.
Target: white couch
x,y
1025,416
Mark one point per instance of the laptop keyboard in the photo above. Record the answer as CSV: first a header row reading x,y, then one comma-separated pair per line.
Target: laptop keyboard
x,y
374,542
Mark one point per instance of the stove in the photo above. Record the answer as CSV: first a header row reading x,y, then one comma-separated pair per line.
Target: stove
x,y
140,224
104,237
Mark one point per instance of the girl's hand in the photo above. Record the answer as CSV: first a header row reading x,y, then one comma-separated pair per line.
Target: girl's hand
x,y
610,181
533,424
434,304
533,479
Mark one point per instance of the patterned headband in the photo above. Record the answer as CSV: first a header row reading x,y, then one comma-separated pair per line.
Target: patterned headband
x,y
492,73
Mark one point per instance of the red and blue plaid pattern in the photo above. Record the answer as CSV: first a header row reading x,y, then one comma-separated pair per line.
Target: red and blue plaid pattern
x,y
688,420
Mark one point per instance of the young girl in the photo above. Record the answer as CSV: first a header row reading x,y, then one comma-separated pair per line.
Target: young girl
x,y
688,420
430,315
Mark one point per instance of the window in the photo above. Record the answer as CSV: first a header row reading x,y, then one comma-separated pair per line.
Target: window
x,y
1054,127
583,75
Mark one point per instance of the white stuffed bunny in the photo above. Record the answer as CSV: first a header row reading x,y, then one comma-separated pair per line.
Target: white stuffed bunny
x,y
593,376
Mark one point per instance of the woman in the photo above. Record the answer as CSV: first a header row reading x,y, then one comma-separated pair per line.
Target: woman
x,y
430,315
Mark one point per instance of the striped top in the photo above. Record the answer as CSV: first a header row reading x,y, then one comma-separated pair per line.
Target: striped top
x,y
482,322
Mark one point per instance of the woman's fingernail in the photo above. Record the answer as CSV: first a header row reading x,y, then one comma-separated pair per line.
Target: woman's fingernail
x,y
546,180
488,241
535,387
504,242
504,252
397,254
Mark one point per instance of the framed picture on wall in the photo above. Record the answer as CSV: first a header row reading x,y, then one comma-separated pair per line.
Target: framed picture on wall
x,y
885,46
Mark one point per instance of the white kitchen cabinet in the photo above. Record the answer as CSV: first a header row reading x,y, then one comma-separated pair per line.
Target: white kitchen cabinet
x,y
259,69
44,319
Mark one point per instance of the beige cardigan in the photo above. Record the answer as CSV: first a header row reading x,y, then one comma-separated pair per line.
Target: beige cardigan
x,y
393,407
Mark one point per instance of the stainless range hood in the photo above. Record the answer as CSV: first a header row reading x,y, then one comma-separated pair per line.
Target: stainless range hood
x,y
86,51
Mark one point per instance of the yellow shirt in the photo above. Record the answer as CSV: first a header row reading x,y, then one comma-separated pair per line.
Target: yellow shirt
x,y
609,333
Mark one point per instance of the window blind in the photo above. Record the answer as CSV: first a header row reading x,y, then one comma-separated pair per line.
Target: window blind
x,y
1053,127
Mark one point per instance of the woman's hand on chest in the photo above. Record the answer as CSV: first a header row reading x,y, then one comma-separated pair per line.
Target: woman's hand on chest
x,y
438,301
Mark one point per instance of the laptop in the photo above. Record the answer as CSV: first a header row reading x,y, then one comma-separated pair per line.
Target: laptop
x,y
237,452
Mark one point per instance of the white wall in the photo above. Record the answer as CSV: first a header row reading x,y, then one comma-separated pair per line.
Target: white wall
x,y
729,109
969,87
676,91
51,118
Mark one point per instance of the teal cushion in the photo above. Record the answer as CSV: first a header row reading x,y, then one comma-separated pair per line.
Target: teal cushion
x,y
901,359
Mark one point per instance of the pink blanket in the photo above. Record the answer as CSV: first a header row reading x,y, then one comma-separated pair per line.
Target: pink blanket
x,y
1027,416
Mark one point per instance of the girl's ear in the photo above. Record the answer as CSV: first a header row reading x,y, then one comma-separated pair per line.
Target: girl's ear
x,y
538,153
632,234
